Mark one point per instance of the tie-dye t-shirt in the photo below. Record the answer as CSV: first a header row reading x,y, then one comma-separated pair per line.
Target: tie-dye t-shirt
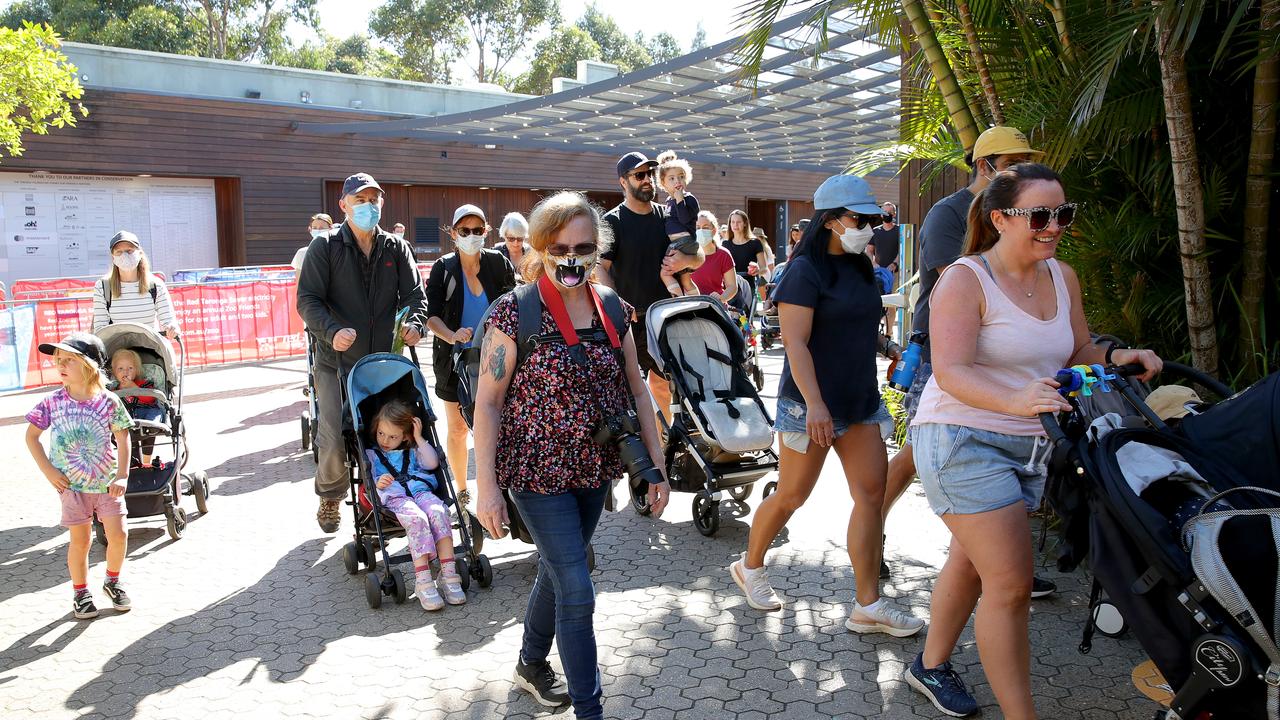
x,y
80,442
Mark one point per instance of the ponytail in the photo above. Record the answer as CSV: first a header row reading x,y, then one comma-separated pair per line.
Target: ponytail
x,y
981,234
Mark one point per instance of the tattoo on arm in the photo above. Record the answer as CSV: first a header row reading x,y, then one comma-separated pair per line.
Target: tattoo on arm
x,y
498,362
485,347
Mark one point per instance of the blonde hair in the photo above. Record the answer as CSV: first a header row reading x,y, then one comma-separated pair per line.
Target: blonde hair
x,y
668,161
322,217
135,357
90,373
549,218
144,276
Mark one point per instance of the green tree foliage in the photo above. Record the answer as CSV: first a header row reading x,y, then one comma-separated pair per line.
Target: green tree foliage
x,y
426,34
699,38
38,87
663,47
355,55
156,26
625,51
556,56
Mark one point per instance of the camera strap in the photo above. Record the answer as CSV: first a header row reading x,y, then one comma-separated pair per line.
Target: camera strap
x,y
554,303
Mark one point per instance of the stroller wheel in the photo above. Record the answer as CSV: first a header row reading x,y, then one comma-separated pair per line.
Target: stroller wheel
x,y
742,492
99,532
373,590
370,554
176,522
484,571
477,534
351,558
769,487
200,489
591,558
401,592
706,514
305,421
464,571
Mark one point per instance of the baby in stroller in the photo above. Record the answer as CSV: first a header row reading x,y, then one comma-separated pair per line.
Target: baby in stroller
x,y
401,460
126,368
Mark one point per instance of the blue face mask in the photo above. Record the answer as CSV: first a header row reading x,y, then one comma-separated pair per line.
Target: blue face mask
x,y
365,216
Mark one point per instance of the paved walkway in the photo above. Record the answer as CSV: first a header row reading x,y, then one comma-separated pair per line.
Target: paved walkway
x,y
252,615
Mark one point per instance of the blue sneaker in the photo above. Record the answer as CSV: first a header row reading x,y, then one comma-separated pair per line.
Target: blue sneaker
x,y
942,686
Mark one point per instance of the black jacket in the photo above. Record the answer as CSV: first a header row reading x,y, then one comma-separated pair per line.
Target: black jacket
x,y
446,286
332,294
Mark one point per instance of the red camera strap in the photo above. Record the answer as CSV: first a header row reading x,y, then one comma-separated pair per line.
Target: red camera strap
x,y
555,305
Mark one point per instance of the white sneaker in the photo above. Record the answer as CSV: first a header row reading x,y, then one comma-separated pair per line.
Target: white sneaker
x,y
885,619
451,588
427,593
755,584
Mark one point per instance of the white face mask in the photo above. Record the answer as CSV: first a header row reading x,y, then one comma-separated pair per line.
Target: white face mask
x,y
469,244
706,236
318,233
127,260
854,240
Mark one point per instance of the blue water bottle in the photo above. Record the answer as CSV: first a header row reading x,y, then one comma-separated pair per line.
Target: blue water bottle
x,y
910,363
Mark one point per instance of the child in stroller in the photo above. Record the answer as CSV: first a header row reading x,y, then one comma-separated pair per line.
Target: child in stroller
x,y
126,367
405,484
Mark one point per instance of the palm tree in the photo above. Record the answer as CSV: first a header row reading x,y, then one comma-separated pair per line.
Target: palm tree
x,y
1257,210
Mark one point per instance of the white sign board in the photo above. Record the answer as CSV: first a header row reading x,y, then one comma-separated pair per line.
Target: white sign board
x,y
58,225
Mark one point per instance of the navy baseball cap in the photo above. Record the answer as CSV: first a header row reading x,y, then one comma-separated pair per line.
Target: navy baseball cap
x,y
123,236
358,182
632,160
80,343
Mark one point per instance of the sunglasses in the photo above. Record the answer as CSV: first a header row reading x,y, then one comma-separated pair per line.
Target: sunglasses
x,y
642,175
1038,218
579,249
463,232
861,221
513,238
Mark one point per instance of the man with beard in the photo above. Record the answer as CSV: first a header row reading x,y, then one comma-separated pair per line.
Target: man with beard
x,y
632,266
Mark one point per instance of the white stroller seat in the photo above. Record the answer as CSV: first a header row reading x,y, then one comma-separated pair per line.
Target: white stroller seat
x,y
735,424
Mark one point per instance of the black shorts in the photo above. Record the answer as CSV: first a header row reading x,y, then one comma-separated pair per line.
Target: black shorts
x,y
640,334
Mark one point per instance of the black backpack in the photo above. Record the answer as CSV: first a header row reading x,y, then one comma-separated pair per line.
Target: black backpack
x,y
528,336
106,297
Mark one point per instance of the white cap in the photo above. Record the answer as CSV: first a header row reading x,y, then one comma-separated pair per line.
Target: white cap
x,y
466,210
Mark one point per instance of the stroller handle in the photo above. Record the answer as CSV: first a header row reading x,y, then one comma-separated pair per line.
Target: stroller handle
x,y
1051,427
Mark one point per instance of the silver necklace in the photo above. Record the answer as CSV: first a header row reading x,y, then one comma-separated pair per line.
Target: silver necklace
x,y
1004,268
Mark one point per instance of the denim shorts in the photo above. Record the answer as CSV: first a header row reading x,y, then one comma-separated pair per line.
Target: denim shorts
x,y
911,401
791,417
966,471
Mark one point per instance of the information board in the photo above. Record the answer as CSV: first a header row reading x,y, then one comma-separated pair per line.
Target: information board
x,y
58,225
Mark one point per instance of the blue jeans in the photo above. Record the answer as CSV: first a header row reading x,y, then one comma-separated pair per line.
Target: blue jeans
x,y
563,599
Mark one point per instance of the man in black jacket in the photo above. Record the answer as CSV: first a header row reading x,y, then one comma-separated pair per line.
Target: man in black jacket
x,y
355,280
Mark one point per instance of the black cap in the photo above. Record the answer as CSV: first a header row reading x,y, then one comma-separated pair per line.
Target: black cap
x,y
123,236
633,160
358,182
80,343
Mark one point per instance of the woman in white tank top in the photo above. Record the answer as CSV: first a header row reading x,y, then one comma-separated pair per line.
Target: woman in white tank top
x,y
1003,320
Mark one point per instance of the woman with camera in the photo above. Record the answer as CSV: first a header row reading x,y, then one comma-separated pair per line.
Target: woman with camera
x,y
829,308
535,418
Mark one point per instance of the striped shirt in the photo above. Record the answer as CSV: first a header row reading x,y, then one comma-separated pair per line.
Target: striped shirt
x,y
134,307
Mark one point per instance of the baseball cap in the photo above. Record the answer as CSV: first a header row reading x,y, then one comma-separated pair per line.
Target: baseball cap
x,y
123,236
1169,401
358,182
1001,140
632,160
466,210
846,191
79,343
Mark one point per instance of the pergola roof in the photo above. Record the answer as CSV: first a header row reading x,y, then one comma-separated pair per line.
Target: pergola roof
x,y
815,103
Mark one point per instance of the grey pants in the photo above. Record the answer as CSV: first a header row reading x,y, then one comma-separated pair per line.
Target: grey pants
x,y
331,471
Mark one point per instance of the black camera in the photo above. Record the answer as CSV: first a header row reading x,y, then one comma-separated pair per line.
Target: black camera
x,y
623,430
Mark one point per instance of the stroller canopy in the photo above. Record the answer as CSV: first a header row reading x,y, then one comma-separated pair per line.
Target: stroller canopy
x,y
375,373
664,312
133,336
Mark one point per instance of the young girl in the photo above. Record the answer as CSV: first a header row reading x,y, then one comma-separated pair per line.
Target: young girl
x,y
674,174
405,487
82,464
126,368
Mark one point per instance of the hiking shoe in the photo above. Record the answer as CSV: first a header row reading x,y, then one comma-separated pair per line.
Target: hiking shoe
x,y
451,588
428,595
886,619
328,516
82,606
1042,588
118,597
942,686
540,681
755,585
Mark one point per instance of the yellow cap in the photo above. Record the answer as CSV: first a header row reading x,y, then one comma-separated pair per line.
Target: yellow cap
x,y
1002,141
1169,401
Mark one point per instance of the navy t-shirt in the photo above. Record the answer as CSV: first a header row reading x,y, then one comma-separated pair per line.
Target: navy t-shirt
x,y
941,242
846,321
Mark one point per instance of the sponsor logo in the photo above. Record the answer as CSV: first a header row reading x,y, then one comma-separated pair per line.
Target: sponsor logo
x,y
31,225
29,210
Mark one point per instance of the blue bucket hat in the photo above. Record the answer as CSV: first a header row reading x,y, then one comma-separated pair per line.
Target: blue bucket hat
x,y
846,191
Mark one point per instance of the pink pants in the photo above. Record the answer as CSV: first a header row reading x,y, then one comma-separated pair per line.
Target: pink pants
x,y
425,520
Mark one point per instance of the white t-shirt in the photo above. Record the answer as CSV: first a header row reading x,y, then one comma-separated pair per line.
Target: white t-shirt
x,y
135,307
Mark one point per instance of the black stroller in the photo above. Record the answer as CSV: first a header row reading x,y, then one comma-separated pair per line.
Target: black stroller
x,y
743,310
1177,553
310,419
720,436
373,381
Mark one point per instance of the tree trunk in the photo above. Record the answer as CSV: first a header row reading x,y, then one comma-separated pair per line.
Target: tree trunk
x,y
962,118
1189,195
1257,209
980,62
1060,26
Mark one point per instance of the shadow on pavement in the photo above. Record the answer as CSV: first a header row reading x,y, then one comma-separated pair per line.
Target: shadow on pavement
x,y
261,469
278,416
